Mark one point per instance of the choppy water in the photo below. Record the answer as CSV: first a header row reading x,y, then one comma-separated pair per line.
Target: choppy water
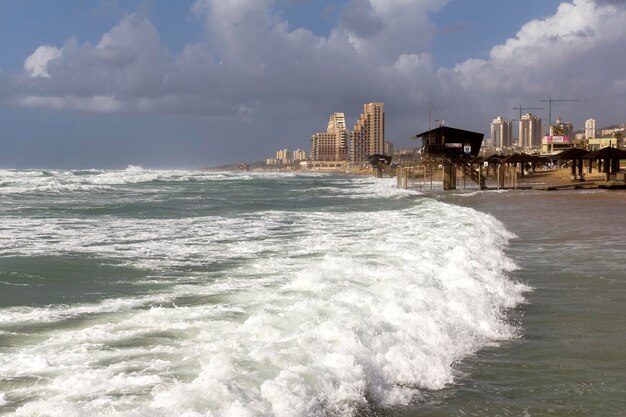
x,y
163,293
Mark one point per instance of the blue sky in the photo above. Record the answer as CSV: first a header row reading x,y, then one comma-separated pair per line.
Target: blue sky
x,y
195,83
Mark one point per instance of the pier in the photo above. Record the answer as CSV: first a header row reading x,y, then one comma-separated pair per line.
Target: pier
x,y
450,158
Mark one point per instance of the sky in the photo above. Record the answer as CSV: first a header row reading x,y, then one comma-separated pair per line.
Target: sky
x,y
194,83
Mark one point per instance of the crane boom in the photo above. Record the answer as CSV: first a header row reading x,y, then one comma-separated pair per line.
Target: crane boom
x,y
551,100
521,108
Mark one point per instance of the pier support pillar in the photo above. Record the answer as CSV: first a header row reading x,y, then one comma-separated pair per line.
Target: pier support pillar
x,y
580,170
500,175
449,175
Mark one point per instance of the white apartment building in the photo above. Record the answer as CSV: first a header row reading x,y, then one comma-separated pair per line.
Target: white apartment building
x,y
590,129
283,155
530,131
299,155
501,132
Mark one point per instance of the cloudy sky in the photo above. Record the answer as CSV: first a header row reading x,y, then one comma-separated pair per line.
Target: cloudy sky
x,y
169,84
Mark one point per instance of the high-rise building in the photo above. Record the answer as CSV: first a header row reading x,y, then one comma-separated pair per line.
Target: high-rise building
x,y
590,129
283,155
368,136
501,132
560,128
530,131
389,150
331,145
299,155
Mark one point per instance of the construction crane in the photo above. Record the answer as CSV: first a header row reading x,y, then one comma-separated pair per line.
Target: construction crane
x,y
551,100
521,108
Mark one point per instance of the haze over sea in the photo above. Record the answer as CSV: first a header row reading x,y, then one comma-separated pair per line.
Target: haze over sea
x,y
187,293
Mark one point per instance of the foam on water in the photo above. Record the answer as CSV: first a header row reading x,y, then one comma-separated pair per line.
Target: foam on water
x,y
59,181
321,314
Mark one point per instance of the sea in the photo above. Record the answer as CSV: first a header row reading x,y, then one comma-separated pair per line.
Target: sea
x,y
141,292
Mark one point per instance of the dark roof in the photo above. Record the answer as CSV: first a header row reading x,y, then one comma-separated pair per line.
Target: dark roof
x,y
519,158
451,142
379,158
572,153
606,153
447,131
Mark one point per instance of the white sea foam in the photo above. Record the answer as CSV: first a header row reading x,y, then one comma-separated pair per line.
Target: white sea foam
x,y
317,314
59,181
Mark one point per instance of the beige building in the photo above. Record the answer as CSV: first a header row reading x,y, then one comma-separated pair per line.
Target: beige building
x,y
284,156
388,148
599,143
611,131
530,131
552,145
299,155
331,145
368,136
501,132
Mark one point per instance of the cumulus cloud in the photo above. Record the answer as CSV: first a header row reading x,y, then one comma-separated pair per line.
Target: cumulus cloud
x,y
37,64
574,52
250,56
252,66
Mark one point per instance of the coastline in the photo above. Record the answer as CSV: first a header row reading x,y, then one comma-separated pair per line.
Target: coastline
x,y
568,360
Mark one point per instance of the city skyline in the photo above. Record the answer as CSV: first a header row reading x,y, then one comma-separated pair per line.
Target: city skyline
x,y
204,82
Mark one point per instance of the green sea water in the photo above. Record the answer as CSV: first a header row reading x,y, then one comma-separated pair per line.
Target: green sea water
x,y
140,292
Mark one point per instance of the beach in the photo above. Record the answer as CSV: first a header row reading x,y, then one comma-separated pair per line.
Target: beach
x,y
569,360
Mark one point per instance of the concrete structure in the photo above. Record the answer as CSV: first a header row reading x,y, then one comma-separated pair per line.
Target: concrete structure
x,y
599,143
529,131
368,136
560,128
501,132
552,145
331,145
610,131
590,129
299,155
388,148
321,165
284,156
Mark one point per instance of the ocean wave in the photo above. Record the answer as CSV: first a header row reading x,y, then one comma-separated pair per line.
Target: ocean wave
x,y
316,314
92,180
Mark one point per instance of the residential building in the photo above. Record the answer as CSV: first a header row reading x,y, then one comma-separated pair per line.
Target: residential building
x,y
590,129
368,136
331,145
299,155
501,133
530,131
284,156
612,130
388,148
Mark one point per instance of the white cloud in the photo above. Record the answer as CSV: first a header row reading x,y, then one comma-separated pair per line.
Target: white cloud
x,y
251,67
37,64
97,104
575,53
